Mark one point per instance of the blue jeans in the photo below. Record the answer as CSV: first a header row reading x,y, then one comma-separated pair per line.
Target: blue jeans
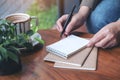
x,y
107,11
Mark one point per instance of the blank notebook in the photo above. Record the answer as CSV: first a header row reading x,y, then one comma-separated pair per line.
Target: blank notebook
x,y
67,46
77,59
89,64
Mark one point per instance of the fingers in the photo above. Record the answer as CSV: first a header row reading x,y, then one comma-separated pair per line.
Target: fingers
x,y
106,37
96,38
70,26
64,36
111,43
60,21
104,41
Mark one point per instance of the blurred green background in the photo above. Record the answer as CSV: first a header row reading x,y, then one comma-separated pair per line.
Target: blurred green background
x,y
46,11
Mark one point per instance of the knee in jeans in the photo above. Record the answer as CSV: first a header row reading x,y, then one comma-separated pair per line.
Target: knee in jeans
x,y
98,21
95,23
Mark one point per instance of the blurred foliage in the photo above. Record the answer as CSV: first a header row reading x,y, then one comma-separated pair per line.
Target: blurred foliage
x,y
47,18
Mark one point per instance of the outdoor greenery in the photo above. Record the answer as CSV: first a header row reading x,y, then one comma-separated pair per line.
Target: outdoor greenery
x,y
47,18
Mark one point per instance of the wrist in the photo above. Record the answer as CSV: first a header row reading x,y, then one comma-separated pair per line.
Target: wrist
x,y
84,12
118,24
118,21
118,34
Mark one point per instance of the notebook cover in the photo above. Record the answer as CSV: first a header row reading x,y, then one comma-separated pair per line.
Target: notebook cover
x,y
76,59
90,63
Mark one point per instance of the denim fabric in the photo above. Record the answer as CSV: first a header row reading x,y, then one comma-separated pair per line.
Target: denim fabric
x,y
106,12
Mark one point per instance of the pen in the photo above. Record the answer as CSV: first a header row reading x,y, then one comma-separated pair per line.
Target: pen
x,y
68,20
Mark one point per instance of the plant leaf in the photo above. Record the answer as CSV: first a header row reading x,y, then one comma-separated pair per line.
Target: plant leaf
x,y
13,56
30,32
39,40
13,49
35,29
0,58
13,53
28,45
3,52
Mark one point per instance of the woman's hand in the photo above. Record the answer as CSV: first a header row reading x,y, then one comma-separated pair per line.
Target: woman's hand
x,y
107,37
76,21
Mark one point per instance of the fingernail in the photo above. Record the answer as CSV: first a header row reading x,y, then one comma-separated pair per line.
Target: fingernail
x,y
66,33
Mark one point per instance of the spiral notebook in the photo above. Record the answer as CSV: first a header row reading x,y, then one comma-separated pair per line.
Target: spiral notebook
x,y
67,46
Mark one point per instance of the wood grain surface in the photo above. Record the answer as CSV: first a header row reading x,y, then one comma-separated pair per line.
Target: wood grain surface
x,y
35,68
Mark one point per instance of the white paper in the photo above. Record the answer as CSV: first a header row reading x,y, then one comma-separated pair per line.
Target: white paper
x,y
67,46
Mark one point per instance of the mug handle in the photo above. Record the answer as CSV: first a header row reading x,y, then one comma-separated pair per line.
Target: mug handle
x,y
36,20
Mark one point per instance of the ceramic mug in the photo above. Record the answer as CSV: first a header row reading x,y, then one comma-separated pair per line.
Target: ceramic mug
x,y
22,21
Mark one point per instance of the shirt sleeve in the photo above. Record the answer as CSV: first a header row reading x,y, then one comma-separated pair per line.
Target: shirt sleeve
x,y
89,3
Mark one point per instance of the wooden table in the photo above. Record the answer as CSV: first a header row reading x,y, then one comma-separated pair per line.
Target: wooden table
x,y
35,68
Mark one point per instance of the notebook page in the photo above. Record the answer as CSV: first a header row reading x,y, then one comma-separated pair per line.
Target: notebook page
x,y
68,45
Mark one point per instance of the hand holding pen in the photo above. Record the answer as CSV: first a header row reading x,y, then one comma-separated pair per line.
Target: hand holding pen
x,y
67,21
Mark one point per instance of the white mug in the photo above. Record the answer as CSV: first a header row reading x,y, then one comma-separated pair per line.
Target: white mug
x,y
22,21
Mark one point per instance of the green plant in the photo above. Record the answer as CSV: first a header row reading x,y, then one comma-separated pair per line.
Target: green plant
x,y
34,30
10,43
6,36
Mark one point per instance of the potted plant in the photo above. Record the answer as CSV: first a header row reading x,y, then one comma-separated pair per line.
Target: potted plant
x,y
11,46
9,58
29,42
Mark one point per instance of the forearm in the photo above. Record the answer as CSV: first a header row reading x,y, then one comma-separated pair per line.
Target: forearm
x,y
88,3
83,12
